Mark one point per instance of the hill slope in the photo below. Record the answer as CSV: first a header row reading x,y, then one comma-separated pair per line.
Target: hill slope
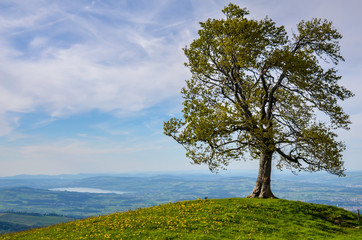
x,y
234,218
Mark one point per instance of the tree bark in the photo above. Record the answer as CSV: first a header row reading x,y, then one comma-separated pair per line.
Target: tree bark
x,y
262,187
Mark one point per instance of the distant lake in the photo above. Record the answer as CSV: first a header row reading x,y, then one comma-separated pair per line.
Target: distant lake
x,y
86,190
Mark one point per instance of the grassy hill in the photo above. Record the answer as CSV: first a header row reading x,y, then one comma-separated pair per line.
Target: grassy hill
x,y
234,218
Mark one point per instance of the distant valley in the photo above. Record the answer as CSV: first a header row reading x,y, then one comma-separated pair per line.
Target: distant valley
x,y
117,193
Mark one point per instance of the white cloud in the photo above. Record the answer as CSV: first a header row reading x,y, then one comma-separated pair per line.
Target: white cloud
x,y
38,42
5,126
21,17
74,156
111,68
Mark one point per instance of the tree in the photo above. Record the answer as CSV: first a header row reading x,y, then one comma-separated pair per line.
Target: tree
x,y
257,93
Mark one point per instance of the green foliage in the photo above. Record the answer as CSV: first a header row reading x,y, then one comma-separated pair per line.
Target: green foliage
x,y
254,89
212,219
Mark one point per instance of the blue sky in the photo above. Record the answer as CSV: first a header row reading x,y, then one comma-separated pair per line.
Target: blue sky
x,y
86,85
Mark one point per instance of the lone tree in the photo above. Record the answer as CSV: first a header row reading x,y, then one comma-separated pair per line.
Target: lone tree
x,y
257,93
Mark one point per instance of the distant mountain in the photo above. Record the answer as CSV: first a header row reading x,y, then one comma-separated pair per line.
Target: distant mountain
x,y
143,190
14,222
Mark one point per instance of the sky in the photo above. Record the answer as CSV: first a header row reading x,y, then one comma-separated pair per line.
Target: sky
x,y
85,86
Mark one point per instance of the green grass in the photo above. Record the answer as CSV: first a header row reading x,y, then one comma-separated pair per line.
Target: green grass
x,y
233,218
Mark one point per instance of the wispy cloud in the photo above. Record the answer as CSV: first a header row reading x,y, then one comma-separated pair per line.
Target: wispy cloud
x,y
72,156
96,57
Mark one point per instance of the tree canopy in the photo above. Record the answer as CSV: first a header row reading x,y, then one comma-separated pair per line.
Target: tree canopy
x,y
258,93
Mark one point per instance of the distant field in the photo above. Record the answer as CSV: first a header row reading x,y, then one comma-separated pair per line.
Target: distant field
x,y
31,194
10,222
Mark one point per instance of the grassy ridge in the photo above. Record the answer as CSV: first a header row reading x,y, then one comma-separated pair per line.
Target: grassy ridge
x,y
212,219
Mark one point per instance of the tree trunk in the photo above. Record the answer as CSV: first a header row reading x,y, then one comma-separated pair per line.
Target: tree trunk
x,y
262,187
